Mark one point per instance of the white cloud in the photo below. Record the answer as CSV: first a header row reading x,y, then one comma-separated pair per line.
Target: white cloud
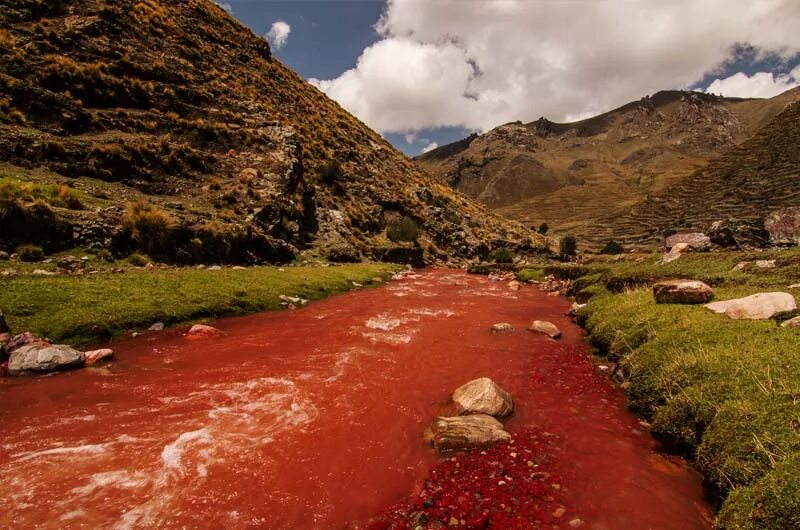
x,y
225,5
481,63
430,147
410,138
758,85
278,34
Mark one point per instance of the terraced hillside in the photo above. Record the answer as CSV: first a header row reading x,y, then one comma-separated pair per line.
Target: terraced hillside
x,y
166,127
570,175
749,181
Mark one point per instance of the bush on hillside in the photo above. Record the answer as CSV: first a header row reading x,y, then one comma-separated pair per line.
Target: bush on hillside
x,y
502,255
612,247
402,229
149,226
568,246
544,228
30,253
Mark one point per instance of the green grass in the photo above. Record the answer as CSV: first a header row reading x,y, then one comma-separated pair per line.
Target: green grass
x,y
88,309
724,392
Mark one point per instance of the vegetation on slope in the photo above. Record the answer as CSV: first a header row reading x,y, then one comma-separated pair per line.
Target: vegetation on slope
x,y
175,105
93,308
726,392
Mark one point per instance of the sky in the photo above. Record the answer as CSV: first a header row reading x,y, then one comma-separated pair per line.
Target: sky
x,y
424,73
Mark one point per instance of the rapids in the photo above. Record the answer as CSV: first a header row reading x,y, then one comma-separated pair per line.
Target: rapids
x,y
312,419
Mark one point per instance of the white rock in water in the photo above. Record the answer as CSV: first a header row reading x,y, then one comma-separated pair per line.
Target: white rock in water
x,y
547,328
483,396
463,432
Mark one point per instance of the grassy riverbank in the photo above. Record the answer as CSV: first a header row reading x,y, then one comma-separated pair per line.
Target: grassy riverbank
x,y
93,308
725,392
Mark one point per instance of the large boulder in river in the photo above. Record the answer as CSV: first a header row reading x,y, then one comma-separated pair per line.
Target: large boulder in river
x,y
95,356
546,328
483,396
38,357
784,226
501,327
465,432
761,306
201,331
739,233
682,292
696,241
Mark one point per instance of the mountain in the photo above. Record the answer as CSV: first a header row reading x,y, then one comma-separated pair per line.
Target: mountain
x,y
571,175
165,126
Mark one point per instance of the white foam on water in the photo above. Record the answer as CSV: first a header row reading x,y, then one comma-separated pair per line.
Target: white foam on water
x,y
80,450
384,322
395,339
119,479
172,453
74,514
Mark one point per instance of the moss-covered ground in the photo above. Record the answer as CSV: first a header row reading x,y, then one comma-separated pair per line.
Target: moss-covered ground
x,y
724,392
93,308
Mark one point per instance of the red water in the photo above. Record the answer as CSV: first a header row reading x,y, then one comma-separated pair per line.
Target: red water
x,y
313,419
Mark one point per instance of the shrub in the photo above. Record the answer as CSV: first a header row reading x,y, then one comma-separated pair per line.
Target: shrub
x,y
544,228
149,226
402,229
138,260
568,246
30,253
59,195
331,172
612,247
502,255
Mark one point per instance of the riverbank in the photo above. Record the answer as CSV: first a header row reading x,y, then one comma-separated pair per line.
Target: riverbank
x,y
92,308
724,392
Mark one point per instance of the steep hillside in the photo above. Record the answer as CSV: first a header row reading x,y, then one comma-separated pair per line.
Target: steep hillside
x,y
751,180
569,175
165,126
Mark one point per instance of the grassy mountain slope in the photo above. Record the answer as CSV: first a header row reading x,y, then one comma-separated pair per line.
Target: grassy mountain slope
x,y
570,175
167,127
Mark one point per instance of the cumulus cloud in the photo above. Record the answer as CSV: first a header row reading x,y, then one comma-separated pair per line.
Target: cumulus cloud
x,y
278,34
758,85
481,63
430,147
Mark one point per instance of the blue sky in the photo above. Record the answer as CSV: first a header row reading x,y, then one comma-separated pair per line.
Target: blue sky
x,y
426,78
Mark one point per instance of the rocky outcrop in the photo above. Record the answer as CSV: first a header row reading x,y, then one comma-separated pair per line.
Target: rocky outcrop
x,y
466,432
739,234
695,241
39,357
682,292
761,306
784,226
483,396
546,328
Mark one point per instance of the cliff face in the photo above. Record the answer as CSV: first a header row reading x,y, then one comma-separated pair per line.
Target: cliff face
x,y
172,108
572,175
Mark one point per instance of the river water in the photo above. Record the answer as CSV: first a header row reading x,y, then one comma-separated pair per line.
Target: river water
x,y
313,419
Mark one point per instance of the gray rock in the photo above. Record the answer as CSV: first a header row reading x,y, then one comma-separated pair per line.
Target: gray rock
x,y
784,226
682,292
502,327
483,396
697,241
761,306
42,358
158,326
547,328
739,233
463,432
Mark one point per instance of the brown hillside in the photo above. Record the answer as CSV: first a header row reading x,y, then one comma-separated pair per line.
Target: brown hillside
x,y
570,175
175,105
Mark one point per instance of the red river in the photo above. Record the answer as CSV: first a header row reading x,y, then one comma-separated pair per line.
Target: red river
x,y
313,419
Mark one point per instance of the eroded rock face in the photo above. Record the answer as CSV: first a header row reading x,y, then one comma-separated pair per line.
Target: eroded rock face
x,y
761,306
682,292
483,396
201,331
784,226
38,358
547,328
502,327
464,432
739,233
697,241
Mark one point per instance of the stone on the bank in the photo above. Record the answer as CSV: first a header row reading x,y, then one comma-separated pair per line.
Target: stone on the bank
x,y
694,241
765,264
464,432
674,253
22,339
761,306
41,357
502,327
573,310
547,328
483,396
201,331
682,292
793,323
158,326
95,356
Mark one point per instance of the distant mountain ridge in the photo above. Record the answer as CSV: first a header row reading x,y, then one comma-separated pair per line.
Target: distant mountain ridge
x,y
174,105
571,175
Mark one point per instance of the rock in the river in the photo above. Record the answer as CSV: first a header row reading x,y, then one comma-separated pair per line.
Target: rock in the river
x,y
95,356
784,226
695,241
201,331
548,328
793,323
483,396
514,285
158,326
463,432
682,292
759,306
502,327
41,357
